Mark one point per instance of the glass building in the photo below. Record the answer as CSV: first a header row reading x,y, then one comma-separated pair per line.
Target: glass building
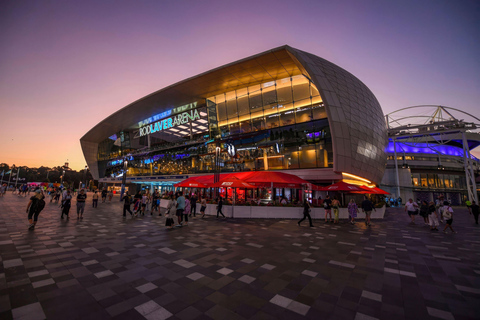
x,y
283,109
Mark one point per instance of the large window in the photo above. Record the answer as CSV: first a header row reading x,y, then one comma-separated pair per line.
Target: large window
x,y
268,105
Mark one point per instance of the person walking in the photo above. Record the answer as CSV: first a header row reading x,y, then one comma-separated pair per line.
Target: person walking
x,y
411,209
137,202
336,209
81,199
144,203
66,204
439,206
475,211
328,209
203,206
34,207
219,206
155,203
171,206
448,216
367,207
95,199
306,212
187,211
469,206
432,216
104,195
352,210
180,208
193,203
127,201
424,212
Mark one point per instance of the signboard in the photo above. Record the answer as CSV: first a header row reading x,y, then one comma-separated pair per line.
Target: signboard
x,y
168,123
167,113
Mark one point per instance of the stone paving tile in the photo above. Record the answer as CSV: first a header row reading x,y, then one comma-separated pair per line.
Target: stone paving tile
x,y
105,266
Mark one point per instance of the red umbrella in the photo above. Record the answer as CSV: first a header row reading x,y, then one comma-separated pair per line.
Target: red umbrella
x,y
379,191
342,187
233,182
191,184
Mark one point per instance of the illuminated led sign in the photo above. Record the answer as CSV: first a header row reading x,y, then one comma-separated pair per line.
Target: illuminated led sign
x,y
167,113
168,123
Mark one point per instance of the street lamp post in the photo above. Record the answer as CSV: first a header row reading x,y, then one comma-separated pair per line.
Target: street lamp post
x,y
63,174
10,177
85,173
124,178
216,176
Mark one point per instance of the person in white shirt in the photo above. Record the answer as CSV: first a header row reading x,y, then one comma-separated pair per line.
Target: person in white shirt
x,y
448,216
411,209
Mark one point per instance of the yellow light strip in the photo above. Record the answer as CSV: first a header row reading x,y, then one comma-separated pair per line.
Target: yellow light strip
x,y
356,177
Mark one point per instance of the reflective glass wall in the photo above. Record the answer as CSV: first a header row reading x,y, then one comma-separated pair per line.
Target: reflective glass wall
x,y
278,125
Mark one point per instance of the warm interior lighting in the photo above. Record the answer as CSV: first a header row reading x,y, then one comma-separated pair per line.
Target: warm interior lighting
x,y
356,177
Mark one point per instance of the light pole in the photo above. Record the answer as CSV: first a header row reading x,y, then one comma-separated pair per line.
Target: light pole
x,y
85,173
10,177
124,178
216,176
63,173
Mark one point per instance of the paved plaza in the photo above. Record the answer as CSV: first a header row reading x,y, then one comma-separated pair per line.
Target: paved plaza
x,y
106,267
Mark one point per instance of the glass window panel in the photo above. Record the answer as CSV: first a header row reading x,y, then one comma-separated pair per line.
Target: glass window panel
x,y
269,96
303,103
317,100
258,124
245,126
232,108
222,111
234,128
307,156
225,131
220,98
255,98
322,155
287,118
242,105
230,95
301,88
291,157
318,111
272,121
431,180
303,115
313,90
423,180
284,91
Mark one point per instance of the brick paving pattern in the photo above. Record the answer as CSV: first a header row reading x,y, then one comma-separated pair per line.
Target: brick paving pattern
x,y
106,267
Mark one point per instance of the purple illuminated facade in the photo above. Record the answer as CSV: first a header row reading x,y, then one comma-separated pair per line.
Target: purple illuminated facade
x,y
425,170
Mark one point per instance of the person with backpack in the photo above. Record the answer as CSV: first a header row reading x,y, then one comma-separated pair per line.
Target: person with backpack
x,y
448,216
127,201
34,207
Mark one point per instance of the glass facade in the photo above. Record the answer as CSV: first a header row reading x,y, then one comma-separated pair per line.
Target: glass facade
x,y
438,181
275,125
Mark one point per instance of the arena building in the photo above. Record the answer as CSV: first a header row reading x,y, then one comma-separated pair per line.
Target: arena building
x,y
281,110
429,154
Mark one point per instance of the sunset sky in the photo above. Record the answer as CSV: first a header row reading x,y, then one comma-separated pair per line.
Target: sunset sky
x,y
66,65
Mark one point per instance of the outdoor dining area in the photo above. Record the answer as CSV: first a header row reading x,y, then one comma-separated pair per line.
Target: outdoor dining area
x,y
270,194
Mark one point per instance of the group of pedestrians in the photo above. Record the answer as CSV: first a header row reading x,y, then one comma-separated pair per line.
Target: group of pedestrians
x,y
180,207
329,204
439,212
